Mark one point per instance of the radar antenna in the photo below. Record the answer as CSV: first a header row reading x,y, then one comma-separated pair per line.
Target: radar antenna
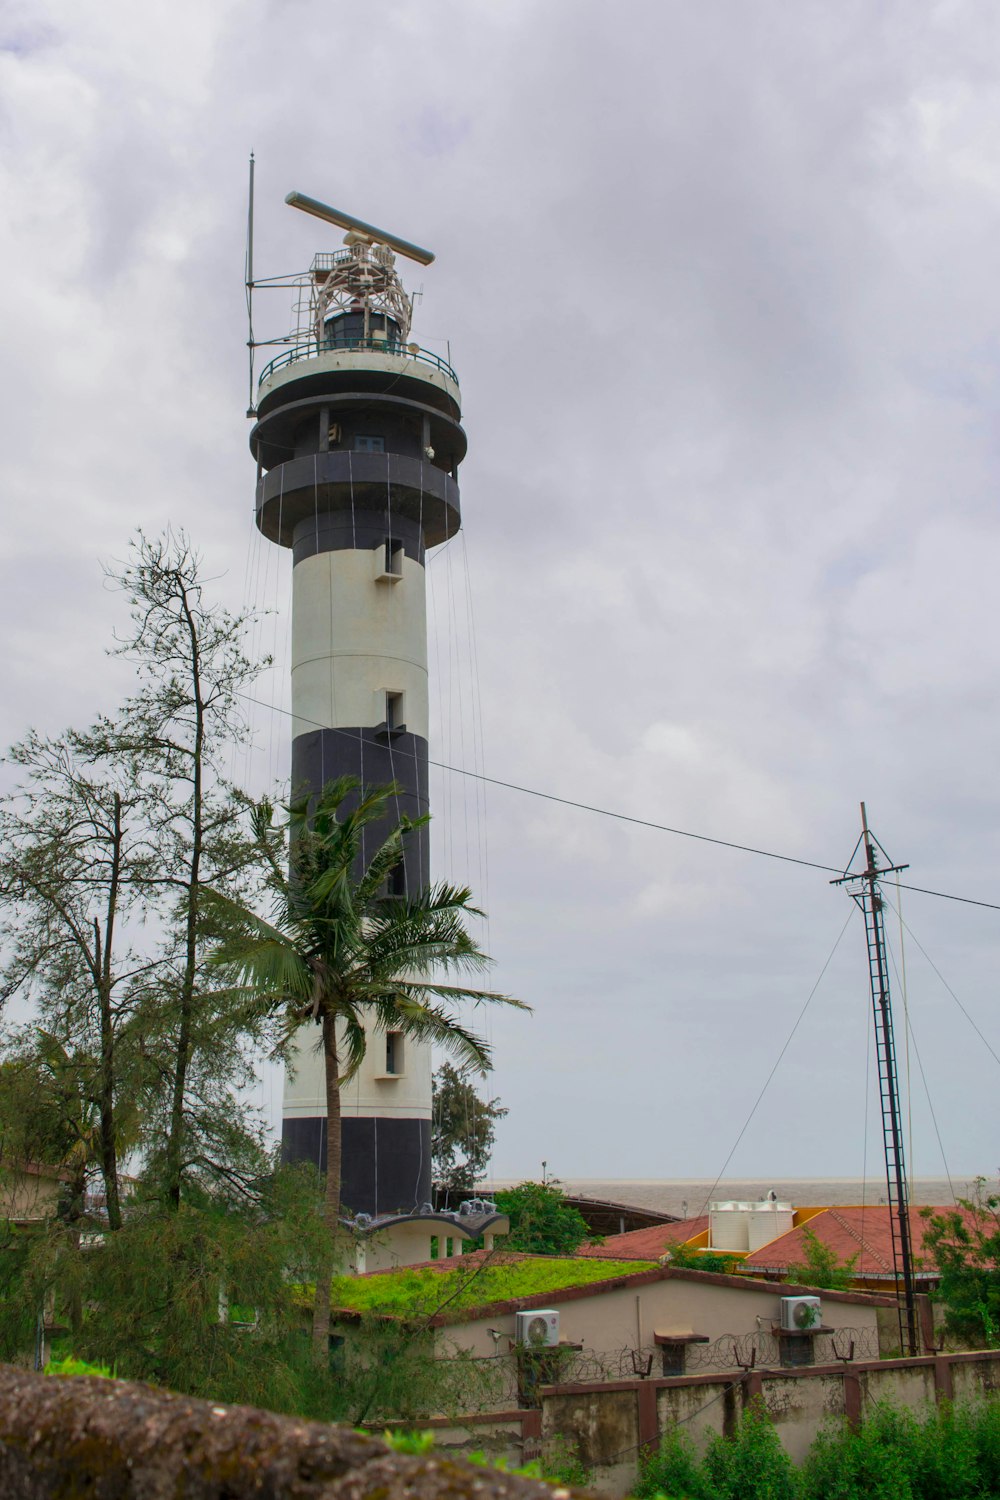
x,y
347,221
362,277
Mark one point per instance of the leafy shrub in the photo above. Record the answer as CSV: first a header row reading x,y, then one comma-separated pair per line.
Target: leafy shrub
x,y
876,1460
964,1243
952,1454
820,1266
673,1471
752,1465
541,1221
986,1438
690,1258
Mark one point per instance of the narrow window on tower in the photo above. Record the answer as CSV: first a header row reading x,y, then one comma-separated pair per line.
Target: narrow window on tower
x,y
394,1053
367,444
394,712
387,559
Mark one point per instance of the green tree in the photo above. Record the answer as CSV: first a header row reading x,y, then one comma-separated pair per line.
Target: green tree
x,y
179,728
341,953
964,1244
463,1126
106,845
75,860
820,1265
541,1221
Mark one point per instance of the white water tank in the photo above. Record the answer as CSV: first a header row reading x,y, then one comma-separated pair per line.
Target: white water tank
x,y
727,1225
766,1221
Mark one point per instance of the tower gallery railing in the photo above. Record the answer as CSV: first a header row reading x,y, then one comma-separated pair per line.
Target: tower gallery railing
x,y
311,349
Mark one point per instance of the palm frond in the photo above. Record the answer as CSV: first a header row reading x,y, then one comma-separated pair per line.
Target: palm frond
x,y
356,1044
414,1017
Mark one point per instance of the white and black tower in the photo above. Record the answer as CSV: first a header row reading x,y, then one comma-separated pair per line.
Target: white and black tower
x,y
358,443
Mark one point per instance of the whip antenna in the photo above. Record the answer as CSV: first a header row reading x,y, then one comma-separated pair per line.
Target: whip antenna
x,y
249,284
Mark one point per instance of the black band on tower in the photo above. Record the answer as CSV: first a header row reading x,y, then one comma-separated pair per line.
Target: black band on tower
x,y
386,1163
342,530
375,757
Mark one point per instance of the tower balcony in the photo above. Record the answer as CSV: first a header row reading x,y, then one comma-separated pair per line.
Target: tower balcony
x,y
384,484
363,359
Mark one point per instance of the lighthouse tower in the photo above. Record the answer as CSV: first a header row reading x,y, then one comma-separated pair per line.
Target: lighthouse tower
x,y
357,441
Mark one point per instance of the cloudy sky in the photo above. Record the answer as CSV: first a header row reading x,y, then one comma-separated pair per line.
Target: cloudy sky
x,y
720,284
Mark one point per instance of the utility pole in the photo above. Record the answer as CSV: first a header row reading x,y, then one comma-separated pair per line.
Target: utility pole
x,y
863,887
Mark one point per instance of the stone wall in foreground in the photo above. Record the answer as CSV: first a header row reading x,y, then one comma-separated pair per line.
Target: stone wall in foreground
x,y
66,1437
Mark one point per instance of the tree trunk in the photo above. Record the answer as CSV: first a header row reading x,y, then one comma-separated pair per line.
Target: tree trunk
x,y
331,1206
175,1138
107,1079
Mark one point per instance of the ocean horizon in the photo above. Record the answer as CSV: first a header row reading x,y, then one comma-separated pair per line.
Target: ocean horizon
x,y
687,1196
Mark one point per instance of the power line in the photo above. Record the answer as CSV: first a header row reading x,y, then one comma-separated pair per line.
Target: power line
x,y
951,992
777,1062
947,896
606,812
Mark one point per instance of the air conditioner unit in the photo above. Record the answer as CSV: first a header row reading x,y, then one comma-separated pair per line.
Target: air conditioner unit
x,y
537,1329
800,1314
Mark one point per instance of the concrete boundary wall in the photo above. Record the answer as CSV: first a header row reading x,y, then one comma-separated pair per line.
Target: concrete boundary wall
x,y
611,1422
63,1437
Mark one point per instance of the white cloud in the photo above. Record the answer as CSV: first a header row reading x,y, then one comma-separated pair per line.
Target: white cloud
x,y
720,287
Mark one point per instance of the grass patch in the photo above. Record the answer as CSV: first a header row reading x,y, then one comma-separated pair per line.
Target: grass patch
x,y
411,1292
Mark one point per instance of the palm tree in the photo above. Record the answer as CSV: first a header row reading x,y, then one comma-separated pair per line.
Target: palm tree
x,y
339,951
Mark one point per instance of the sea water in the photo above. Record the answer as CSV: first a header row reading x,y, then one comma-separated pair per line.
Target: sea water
x,y
687,1197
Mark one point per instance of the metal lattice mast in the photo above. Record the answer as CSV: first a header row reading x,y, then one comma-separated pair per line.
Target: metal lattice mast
x,y
863,886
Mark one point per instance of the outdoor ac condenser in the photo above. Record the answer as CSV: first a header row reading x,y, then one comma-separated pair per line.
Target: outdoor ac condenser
x,y
537,1329
800,1314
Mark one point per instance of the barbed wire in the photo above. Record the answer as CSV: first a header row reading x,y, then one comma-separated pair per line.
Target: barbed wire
x,y
485,1382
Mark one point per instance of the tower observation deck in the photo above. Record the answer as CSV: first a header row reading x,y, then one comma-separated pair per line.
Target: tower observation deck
x,y
358,441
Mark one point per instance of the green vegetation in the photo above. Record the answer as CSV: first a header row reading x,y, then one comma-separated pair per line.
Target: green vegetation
x,y
752,1465
541,1221
964,1244
414,1443
821,1267
951,1454
130,867
109,839
413,1292
345,952
687,1258
557,1465
71,1366
462,1130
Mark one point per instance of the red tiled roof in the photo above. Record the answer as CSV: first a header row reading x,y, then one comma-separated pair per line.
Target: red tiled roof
x,y
862,1231
647,1244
